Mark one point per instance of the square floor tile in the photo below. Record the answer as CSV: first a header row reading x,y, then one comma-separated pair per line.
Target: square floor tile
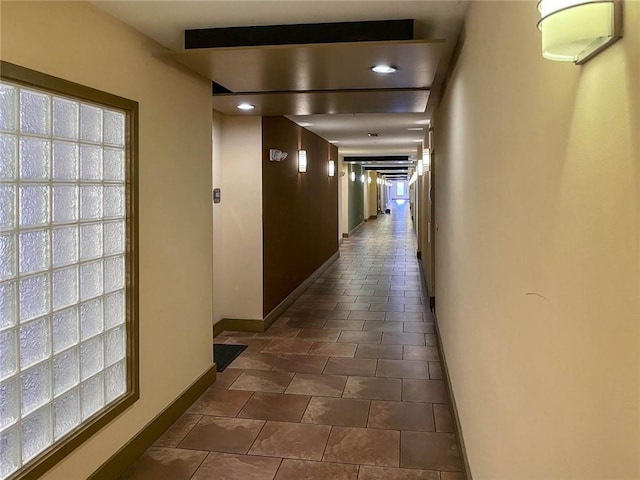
x,y
429,451
259,381
306,323
351,366
283,362
306,470
403,316
253,361
279,333
451,476
165,463
444,421
360,337
318,334
224,403
430,340
226,466
371,299
413,352
353,306
418,327
225,378
373,388
363,446
354,325
366,315
176,432
402,369
390,338
424,309
435,371
319,385
433,391
401,416
333,349
291,440
219,434
288,346
382,326
345,412
275,406
391,352
386,307
368,472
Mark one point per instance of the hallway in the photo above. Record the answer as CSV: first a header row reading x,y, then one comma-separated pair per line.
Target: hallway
x,y
345,385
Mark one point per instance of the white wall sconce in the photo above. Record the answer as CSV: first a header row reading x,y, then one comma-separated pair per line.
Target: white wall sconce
x,y
332,168
353,176
302,161
368,179
426,160
420,167
577,30
362,178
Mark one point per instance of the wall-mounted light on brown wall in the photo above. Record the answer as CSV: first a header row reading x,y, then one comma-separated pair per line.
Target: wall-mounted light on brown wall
x,y
332,168
302,161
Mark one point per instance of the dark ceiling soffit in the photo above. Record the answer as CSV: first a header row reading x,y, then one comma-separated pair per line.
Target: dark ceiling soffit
x,y
390,158
221,91
217,89
372,31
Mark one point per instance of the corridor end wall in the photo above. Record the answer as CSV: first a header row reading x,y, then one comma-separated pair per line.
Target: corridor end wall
x,y
537,250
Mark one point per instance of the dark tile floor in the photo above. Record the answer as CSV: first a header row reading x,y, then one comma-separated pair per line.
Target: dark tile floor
x,y
346,385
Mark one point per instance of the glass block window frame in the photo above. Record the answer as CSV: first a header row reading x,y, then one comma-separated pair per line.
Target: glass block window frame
x,y
68,266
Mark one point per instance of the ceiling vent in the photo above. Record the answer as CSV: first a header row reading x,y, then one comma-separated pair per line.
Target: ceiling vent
x,y
373,134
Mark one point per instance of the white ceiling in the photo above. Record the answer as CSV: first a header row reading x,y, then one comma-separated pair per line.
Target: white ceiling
x,y
166,20
349,132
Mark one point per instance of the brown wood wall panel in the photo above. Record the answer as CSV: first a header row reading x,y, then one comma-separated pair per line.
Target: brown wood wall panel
x,y
300,210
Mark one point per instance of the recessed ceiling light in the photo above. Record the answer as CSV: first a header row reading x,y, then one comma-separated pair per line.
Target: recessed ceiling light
x,y
246,106
384,69
373,134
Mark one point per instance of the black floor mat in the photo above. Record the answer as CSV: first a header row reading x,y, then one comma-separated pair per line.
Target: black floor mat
x,y
224,354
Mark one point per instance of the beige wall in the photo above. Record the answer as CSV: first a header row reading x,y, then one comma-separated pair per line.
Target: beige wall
x,y
78,42
372,195
537,250
237,257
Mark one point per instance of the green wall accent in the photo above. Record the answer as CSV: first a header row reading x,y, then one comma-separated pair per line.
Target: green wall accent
x,y
356,197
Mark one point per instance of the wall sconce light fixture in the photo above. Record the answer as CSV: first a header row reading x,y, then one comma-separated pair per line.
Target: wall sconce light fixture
x,y
420,167
362,178
353,176
368,179
302,161
426,160
577,30
332,168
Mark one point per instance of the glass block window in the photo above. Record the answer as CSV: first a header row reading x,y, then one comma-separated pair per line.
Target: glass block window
x,y
63,267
